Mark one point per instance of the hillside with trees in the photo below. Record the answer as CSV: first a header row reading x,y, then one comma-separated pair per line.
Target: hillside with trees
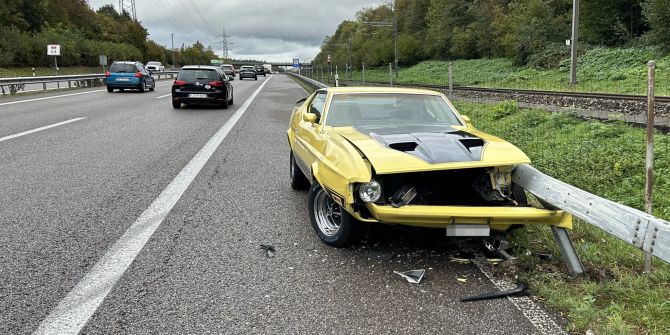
x,y
529,32
27,26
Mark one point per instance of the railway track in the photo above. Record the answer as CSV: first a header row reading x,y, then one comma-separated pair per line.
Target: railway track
x,y
561,94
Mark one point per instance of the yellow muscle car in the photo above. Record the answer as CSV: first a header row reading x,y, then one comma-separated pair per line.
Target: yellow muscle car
x,y
404,156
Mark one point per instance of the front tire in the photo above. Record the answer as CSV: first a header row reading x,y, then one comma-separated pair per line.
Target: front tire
x,y
298,179
332,224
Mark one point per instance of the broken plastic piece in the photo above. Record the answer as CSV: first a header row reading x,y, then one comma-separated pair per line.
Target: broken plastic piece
x,y
521,288
269,250
462,280
412,276
497,248
459,260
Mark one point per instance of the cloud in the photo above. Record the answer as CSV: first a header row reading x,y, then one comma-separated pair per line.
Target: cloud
x,y
274,30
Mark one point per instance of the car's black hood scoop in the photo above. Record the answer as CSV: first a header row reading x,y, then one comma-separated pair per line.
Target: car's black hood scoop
x,y
434,144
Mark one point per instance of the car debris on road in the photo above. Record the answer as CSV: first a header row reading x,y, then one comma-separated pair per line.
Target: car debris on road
x,y
412,276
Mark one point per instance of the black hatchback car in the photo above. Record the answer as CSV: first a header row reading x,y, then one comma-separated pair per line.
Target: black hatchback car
x,y
248,71
202,85
260,69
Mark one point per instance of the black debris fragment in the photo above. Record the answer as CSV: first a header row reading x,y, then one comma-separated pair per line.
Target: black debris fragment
x,y
269,249
496,248
520,289
382,255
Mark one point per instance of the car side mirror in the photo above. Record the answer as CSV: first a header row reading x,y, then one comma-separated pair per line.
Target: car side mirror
x,y
231,78
309,117
466,119
151,72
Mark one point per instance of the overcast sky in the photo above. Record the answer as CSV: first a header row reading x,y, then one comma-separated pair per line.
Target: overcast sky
x,y
272,30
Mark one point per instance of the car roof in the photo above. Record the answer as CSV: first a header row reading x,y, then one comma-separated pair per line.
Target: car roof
x,y
195,67
226,64
379,89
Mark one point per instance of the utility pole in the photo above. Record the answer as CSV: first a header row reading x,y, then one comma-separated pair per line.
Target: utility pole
x,y
225,45
351,66
174,64
573,42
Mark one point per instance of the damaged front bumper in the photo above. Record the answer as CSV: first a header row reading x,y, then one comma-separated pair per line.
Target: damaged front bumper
x,y
499,218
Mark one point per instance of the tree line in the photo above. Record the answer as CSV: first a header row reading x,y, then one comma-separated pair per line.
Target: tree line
x,y
28,26
531,32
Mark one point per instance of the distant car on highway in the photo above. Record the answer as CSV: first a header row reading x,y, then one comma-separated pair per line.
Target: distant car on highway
x,y
155,66
260,70
404,156
129,75
229,70
202,85
248,71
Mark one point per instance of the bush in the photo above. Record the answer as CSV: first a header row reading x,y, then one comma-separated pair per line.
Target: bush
x,y
505,108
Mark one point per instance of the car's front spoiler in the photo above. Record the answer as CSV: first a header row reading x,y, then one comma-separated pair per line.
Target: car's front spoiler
x,y
499,218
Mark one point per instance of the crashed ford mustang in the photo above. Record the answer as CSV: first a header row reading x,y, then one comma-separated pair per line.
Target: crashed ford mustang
x,y
404,156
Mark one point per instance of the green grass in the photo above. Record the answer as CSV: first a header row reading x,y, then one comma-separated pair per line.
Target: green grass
x,y
599,70
43,71
606,159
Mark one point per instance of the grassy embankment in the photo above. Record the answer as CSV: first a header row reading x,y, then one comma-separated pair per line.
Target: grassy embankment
x,y
599,70
44,71
606,159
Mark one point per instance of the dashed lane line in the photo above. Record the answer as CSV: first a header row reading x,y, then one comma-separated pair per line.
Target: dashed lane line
x,y
40,129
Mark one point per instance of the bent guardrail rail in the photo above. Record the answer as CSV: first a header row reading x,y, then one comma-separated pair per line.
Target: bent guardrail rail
x,y
637,228
16,84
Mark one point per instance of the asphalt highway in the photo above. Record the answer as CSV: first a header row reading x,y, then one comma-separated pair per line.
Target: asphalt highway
x,y
80,170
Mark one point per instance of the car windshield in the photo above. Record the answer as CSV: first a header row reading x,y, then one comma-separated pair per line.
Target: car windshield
x,y
380,109
154,63
122,68
191,75
227,67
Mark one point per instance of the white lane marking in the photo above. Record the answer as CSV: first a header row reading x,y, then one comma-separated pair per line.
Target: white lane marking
x,y
40,129
72,313
164,96
51,97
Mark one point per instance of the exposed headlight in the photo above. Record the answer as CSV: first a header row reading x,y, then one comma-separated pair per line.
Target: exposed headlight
x,y
370,192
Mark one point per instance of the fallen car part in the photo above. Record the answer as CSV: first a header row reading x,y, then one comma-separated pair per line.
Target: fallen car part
x,y
521,288
412,276
269,250
496,248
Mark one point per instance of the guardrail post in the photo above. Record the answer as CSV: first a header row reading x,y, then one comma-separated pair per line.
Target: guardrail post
x,y
648,195
69,84
570,257
363,73
44,86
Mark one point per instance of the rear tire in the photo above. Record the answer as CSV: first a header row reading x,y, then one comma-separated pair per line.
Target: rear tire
x,y
176,104
109,89
143,86
298,179
224,104
332,224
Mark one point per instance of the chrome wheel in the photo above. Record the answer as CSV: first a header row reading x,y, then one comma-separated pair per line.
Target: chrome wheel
x,y
328,214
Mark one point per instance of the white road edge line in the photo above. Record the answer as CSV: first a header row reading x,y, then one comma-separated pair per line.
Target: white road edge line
x,y
40,129
533,312
74,311
164,96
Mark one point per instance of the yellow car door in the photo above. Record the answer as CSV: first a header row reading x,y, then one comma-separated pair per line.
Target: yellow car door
x,y
308,140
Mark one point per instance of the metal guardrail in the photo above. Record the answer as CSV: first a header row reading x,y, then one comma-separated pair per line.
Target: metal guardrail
x,y
18,83
639,229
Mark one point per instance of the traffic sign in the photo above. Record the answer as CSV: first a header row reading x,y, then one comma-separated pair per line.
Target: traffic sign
x,y
215,61
296,62
53,49
103,59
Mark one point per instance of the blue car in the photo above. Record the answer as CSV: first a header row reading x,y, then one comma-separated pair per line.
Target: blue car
x,y
129,75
